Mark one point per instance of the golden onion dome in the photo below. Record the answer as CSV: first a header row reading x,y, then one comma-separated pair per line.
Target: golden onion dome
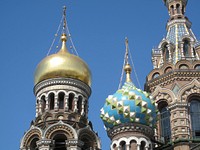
x,y
62,65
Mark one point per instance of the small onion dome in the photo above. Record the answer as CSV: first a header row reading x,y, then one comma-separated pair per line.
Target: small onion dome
x,y
129,105
62,65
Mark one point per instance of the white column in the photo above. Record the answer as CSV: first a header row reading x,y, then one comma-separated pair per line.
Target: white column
x,y
170,56
66,102
191,49
75,104
47,103
37,108
83,107
182,55
56,103
138,146
127,147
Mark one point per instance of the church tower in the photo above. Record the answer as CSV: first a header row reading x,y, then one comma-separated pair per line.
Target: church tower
x,y
129,115
175,81
62,91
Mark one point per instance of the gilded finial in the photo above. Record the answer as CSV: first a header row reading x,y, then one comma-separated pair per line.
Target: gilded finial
x,y
127,67
64,35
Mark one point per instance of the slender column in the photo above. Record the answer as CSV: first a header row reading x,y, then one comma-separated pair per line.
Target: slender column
x,y
127,147
138,146
161,59
75,104
191,49
170,56
37,108
56,103
66,102
47,103
182,55
83,107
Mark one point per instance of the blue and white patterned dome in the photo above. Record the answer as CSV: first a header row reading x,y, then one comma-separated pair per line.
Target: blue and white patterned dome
x,y
129,105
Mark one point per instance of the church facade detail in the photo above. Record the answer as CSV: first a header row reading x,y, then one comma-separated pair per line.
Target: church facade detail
x,y
166,116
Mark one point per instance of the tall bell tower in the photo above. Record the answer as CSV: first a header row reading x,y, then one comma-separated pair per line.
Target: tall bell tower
x,y
62,91
174,81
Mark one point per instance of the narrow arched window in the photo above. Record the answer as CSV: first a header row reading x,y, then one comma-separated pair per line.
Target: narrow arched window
x,y
114,147
172,9
61,96
142,145
178,8
80,100
183,10
165,124
195,117
133,145
123,145
194,52
165,53
186,48
51,101
60,142
33,145
43,101
71,101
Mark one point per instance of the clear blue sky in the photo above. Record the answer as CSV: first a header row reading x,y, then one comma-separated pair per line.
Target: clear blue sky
x,y
98,29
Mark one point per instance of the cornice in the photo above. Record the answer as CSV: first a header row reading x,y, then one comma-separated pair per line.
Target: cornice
x,y
62,81
131,127
175,75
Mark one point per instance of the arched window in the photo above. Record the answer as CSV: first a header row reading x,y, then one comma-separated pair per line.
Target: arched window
x,y
80,99
33,144
142,145
195,117
60,142
197,67
88,142
168,69
183,10
186,46
155,75
165,53
43,101
123,145
61,96
71,101
194,52
172,9
51,100
178,8
165,123
133,145
183,66
114,147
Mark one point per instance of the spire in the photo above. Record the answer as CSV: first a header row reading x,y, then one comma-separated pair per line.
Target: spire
x,y
64,35
127,67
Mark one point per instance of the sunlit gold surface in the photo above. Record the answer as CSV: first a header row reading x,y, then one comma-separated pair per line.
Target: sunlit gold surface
x,y
127,69
62,65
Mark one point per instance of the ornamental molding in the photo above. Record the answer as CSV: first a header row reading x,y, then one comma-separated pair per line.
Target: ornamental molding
x,y
190,89
29,134
60,126
87,131
175,75
63,81
163,93
131,127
